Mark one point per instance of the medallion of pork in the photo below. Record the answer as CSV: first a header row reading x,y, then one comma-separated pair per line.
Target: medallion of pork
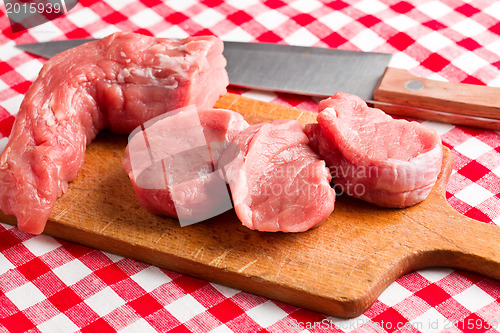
x,y
118,83
172,163
277,182
371,156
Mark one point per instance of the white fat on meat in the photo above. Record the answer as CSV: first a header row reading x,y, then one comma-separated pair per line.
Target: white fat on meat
x,y
117,83
373,157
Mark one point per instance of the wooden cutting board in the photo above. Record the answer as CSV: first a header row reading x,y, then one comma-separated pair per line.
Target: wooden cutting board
x,y
339,268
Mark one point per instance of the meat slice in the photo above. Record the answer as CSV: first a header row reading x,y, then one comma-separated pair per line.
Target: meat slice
x,y
117,83
172,163
278,183
388,162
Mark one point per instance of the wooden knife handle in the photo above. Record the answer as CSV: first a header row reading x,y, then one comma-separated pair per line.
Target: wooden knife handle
x,y
458,103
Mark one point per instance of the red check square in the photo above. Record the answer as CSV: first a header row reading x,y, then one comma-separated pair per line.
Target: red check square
x,y
8,240
390,320
401,41
369,21
334,40
474,171
435,62
469,44
467,10
239,17
274,4
33,268
304,19
433,295
111,274
269,37
189,284
145,305
17,323
402,7
226,311
65,299
476,214
76,250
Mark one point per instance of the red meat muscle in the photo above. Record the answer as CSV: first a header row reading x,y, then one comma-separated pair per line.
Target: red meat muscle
x,y
172,163
278,183
388,162
117,83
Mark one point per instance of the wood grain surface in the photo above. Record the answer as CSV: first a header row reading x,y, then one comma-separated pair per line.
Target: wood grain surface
x,y
450,102
339,268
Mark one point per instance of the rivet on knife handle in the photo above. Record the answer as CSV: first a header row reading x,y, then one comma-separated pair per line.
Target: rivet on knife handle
x,y
444,97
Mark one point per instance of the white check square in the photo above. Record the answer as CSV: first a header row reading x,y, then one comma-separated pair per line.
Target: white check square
x,y
367,40
59,323
104,301
435,274
82,17
474,298
434,9
25,296
474,194
468,27
473,148
146,17
435,41
266,314
140,325
208,18
41,244
3,143
394,294
185,308
29,70
271,19
5,264
150,278
335,20
72,272
306,6
302,37
431,321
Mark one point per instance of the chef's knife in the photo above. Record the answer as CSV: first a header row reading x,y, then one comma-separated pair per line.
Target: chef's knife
x,y
321,72
282,68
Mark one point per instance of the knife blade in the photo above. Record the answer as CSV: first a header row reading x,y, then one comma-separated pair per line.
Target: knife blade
x,y
310,71
321,72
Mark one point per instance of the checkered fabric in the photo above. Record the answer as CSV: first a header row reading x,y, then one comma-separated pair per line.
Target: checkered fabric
x,y
50,285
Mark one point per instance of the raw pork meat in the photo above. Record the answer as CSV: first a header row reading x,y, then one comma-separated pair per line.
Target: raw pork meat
x,y
118,83
388,162
172,163
278,183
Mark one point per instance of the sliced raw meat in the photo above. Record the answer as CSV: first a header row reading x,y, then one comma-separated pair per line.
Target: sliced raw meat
x,y
388,162
278,183
117,83
172,163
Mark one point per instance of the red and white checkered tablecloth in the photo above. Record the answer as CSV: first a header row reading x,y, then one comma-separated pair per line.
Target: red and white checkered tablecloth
x,y
50,285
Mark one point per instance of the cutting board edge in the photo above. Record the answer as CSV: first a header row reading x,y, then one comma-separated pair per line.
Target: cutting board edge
x,y
349,305
355,305
340,306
